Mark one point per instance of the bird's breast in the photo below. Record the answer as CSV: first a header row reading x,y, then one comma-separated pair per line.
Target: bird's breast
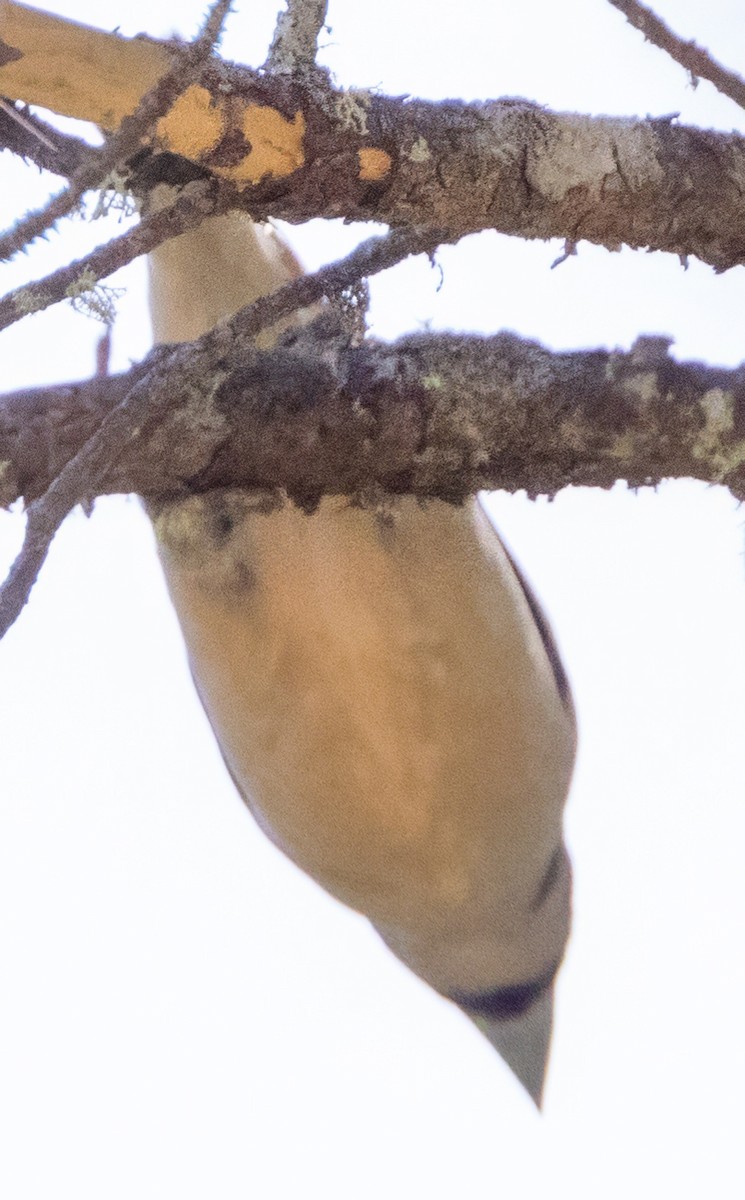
x,y
373,691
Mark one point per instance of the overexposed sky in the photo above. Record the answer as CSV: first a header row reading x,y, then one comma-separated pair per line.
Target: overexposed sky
x,y
182,1013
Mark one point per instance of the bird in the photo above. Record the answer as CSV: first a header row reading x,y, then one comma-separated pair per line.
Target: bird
x,y
386,694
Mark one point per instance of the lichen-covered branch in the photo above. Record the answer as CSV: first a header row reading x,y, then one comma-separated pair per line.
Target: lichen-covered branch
x,y
295,148
690,56
432,414
295,40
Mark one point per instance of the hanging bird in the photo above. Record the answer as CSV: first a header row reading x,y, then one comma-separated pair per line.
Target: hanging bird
x,y
387,697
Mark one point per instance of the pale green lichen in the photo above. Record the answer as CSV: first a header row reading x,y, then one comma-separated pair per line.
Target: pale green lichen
x,y
578,154
622,447
84,282
420,151
92,298
433,383
350,109
644,385
718,407
30,300
114,195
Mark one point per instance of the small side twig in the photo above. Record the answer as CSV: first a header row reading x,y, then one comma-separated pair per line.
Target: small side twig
x,y
192,207
153,392
690,56
20,118
372,256
24,133
127,139
295,42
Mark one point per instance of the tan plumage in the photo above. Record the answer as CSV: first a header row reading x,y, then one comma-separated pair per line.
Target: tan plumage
x,y
386,695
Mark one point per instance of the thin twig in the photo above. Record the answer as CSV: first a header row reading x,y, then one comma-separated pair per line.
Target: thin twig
x,y
84,274
372,256
21,119
24,133
690,56
151,396
295,42
126,140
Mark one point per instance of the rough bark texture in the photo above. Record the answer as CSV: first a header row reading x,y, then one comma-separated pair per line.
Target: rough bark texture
x,y
297,148
439,415
508,165
515,167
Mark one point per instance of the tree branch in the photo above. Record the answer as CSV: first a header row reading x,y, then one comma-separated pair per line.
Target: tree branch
x,y
196,368
432,414
295,42
196,202
24,133
690,56
296,149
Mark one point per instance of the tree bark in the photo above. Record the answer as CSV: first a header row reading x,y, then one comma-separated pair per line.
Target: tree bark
x,y
296,148
433,414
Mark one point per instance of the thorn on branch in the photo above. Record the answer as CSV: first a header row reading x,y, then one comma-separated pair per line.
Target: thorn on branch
x,y
570,250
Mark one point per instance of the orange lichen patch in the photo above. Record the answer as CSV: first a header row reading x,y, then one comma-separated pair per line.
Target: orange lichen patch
x,y
374,163
276,146
192,126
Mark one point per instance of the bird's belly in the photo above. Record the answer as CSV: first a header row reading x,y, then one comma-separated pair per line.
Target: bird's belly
x,y
375,697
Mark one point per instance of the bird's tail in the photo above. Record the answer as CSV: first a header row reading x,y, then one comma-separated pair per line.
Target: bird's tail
x,y
523,1041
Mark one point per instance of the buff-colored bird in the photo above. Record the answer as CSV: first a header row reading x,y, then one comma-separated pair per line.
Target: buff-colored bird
x,y
387,697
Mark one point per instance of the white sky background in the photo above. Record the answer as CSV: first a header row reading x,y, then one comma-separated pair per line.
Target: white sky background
x,y
182,1013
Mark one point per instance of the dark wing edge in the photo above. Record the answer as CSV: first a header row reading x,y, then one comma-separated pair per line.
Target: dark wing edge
x,y
545,631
